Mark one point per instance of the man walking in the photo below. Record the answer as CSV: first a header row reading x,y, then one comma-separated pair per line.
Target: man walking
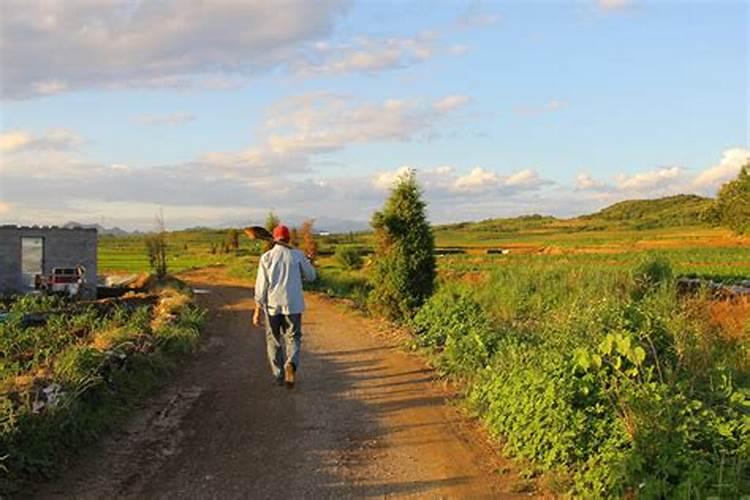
x,y
278,292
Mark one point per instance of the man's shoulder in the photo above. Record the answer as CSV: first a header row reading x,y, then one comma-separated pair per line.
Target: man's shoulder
x,y
276,252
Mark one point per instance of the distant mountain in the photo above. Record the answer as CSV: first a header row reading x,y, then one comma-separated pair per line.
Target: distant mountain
x,y
328,224
115,231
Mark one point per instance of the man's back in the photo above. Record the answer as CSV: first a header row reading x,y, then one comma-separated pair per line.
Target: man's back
x,y
278,284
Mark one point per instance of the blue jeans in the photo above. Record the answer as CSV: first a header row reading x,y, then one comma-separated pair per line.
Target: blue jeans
x,y
283,339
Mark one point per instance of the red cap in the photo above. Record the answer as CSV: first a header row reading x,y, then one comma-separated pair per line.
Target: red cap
x,y
281,232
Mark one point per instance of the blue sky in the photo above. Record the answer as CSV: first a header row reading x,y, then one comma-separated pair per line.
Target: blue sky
x,y
218,113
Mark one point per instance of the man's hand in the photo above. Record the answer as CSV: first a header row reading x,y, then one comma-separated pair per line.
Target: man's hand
x,y
256,317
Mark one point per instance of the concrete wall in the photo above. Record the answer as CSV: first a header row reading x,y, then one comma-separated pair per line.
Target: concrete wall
x,y
62,248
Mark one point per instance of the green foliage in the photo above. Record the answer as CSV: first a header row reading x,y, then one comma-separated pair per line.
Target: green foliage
x,y
272,220
348,257
64,383
651,273
672,211
619,393
455,324
156,249
341,284
732,206
404,272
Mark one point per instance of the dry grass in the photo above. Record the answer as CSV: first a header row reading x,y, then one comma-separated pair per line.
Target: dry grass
x,y
731,316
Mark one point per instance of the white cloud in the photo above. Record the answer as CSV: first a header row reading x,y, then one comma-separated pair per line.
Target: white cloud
x,y
13,141
321,123
445,182
59,139
169,119
548,107
478,178
49,47
5,208
276,167
614,4
649,181
585,182
451,102
386,180
713,177
366,54
526,177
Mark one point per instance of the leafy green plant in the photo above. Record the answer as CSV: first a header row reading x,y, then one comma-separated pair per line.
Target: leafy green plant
x,y
620,393
348,257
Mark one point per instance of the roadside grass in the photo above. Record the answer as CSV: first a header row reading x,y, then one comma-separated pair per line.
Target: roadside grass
x,y
601,375
65,383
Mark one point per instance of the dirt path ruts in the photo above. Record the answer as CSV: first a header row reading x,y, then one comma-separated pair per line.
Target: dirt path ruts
x,y
364,420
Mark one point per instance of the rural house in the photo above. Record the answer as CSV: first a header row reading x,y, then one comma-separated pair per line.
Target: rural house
x,y
29,252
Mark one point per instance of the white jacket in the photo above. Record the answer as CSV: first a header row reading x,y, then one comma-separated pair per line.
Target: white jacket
x,y
278,285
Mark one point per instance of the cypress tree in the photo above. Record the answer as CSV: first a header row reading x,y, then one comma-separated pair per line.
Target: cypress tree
x,y
403,277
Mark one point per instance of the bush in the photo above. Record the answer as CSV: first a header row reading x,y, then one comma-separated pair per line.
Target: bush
x,y
455,324
404,263
348,257
650,273
732,206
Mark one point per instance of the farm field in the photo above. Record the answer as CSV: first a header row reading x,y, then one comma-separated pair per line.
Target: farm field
x,y
575,349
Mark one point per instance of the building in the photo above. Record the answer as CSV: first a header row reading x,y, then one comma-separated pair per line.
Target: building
x,y
28,252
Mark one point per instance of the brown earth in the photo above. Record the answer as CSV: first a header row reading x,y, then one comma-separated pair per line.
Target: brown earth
x,y
366,419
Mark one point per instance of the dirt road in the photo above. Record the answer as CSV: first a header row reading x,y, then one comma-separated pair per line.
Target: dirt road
x,y
365,420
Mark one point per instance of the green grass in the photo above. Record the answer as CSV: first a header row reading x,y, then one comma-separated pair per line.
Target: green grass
x,y
65,383
599,374
185,250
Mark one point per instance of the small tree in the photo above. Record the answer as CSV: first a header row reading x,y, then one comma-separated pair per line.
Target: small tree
x,y
294,237
233,239
732,205
348,257
156,247
404,261
309,245
272,220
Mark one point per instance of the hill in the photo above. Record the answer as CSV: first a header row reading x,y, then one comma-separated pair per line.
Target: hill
x,y
115,231
672,211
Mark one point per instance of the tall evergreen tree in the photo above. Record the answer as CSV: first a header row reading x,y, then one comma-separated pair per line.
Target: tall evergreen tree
x,y
404,263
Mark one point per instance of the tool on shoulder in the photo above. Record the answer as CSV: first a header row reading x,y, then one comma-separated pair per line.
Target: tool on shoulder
x,y
261,233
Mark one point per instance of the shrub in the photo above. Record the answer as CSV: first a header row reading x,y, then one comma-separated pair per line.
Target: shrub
x,y
455,324
650,273
404,264
732,206
309,245
348,257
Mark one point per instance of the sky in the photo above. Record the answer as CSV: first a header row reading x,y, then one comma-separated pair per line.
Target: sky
x,y
216,112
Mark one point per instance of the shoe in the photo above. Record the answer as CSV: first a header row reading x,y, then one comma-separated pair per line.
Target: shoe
x,y
289,372
278,381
